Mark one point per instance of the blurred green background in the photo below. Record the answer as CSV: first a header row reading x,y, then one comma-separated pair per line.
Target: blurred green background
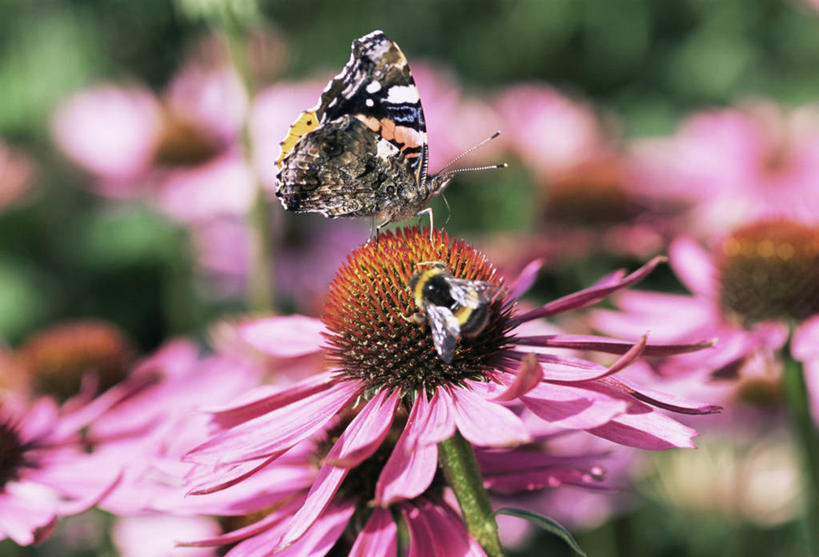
x,y
67,255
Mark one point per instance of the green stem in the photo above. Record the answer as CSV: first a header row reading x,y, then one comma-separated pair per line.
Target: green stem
x,y
798,402
461,471
260,287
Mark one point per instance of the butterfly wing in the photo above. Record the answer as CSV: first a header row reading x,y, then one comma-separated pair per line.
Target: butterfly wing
x,y
375,168
445,331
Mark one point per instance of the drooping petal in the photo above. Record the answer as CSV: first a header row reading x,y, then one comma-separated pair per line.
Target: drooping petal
x,y
572,407
610,345
411,466
440,421
318,499
436,533
528,376
379,537
229,416
485,423
648,429
359,441
660,399
324,534
257,527
588,296
278,430
366,432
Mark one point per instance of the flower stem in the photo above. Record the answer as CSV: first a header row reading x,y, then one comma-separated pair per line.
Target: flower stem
x,y
461,471
796,397
260,286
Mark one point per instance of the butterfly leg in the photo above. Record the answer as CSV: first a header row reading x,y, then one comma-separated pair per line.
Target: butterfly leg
x,y
420,214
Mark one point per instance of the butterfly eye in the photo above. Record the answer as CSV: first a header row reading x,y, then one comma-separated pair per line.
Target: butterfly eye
x,y
332,147
390,190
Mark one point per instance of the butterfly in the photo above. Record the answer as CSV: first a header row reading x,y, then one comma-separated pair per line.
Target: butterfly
x,y
362,150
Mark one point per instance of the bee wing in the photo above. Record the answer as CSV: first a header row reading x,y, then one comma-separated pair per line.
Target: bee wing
x,y
472,293
445,331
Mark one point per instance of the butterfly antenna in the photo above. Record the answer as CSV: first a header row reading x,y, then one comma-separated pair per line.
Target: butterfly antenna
x,y
474,169
465,153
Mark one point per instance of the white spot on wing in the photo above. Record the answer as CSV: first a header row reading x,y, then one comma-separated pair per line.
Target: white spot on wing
x,y
386,150
373,87
369,102
402,94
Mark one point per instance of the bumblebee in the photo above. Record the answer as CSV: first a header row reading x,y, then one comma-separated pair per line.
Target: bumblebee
x,y
453,307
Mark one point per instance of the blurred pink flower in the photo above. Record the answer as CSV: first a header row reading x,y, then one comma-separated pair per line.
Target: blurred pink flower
x,y
16,175
730,166
455,122
157,535
549,131
273,112
364,310
179,151
45,472
147,433
760,277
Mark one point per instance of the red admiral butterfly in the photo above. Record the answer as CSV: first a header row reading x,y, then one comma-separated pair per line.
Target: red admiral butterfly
x,y
362,151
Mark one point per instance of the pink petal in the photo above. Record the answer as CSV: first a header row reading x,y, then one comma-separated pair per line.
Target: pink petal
x,y
198,193
660,399
284,337
361,438
110,131
411,467
648,430
528,376
485,423
693,266
26,508
437,533
250,530
230,416
440,422
610,345
231,476
155,535
278,430
324,488
324,535
366,432
572,407
588,296
379,537
525,279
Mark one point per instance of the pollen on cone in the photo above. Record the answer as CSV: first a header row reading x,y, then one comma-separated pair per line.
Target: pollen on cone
x,y
369,313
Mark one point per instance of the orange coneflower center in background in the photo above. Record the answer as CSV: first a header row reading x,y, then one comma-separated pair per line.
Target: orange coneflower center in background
x,y
770,270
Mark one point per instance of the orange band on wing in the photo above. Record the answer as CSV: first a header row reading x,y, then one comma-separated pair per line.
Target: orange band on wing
x,y
303,125
405,136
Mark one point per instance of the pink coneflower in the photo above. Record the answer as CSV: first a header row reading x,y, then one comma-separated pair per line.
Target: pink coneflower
x,y
383,367
61,359
44,471
351,524
178,150
730,166
549,131
761,277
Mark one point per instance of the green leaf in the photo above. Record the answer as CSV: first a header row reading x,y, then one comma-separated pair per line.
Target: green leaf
x,y
547,524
